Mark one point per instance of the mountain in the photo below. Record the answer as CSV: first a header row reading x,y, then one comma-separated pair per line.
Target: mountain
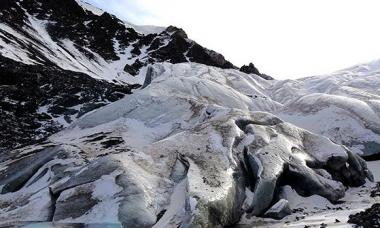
x,y
81,39
49,47
112,124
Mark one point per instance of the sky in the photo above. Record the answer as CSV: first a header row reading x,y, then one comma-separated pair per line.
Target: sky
x,y
284,39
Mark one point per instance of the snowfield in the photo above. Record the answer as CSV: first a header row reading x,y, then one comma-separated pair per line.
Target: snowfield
x,y
343,106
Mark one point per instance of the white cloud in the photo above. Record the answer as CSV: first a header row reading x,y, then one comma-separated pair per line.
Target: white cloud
x,y
286,39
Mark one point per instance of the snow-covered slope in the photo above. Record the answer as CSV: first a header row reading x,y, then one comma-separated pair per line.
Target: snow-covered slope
x,y
344,106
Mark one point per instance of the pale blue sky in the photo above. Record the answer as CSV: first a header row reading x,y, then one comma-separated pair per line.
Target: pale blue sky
x,y
285,39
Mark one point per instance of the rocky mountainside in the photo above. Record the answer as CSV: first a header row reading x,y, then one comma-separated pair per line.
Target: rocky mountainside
x,y
37,101
78,38
108,123
72,59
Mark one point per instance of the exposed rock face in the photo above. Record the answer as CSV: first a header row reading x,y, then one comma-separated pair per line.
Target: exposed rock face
x,y
179,156
37,101
250,69
78,37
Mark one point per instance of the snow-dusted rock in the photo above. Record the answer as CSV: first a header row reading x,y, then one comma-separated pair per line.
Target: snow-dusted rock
x,y
279,210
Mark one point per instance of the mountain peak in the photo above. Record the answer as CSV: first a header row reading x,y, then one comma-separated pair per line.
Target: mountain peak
x,y
82,38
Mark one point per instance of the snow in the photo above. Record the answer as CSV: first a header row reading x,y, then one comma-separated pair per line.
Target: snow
x,y
145,29
374,166
105,191
190,110
343,106
106,187
315,210
13,50
176,211
66,55
142,29
221,87
307,203
88,7
37,208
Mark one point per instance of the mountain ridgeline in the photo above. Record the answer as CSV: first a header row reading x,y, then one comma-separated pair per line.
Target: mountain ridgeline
x,y
61,59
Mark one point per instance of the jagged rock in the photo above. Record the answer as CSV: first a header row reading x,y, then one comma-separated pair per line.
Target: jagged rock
x,y
266,77
43,48
178,32
368,218
250,69
130,70
376,191
134,69
199,54
279,210
94,42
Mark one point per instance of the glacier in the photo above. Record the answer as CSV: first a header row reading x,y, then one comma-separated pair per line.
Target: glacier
x,y
197,146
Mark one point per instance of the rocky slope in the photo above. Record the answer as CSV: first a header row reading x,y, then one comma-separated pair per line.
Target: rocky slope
x,y
37,101
70,60
196,142
79,38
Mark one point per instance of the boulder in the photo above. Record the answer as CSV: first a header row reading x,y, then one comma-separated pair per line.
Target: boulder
x,y
279,210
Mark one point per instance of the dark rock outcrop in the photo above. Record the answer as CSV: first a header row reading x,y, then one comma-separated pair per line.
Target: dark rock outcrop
x,y
368,218
251,69
37,101
279,210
